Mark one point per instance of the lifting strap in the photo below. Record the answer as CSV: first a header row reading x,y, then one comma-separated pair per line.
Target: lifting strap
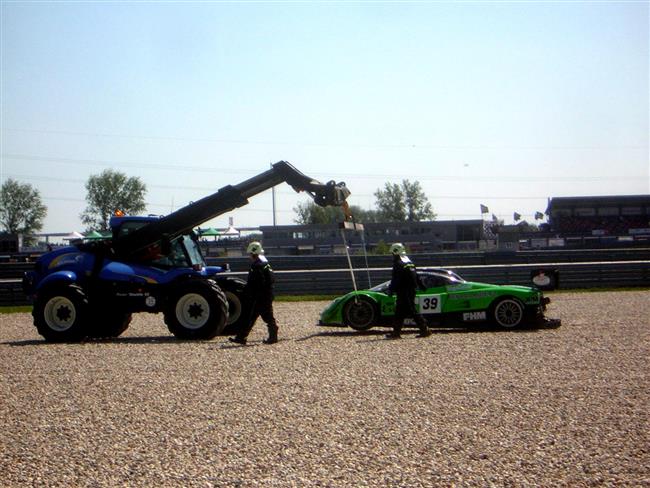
x,y
349,223
347,253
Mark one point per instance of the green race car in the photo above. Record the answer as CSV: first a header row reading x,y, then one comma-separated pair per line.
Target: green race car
x,y
445,300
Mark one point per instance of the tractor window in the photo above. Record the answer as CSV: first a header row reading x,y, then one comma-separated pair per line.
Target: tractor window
x,y
183,252
193,250
128,227
175,258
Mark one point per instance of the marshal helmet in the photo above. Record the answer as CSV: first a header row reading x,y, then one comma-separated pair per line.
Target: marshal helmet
x,y
398,249
255,248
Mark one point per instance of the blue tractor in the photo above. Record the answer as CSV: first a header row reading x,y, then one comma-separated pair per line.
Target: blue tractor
x,y
153,264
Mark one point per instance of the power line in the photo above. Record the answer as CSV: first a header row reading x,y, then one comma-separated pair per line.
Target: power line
x,y
363,176
160,205
212,189
269,211
408,145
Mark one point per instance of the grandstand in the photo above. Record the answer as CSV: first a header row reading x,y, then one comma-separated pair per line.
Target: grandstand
x,y
599,220
427,236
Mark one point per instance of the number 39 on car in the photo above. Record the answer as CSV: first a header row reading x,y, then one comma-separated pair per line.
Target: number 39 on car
x,y
446,300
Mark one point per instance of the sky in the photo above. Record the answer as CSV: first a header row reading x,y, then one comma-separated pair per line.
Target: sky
x,y
505,104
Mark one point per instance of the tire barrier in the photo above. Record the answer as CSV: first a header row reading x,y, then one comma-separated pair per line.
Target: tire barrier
x,y
331,281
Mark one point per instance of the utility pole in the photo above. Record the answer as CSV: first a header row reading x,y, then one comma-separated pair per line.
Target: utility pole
x,y
273,197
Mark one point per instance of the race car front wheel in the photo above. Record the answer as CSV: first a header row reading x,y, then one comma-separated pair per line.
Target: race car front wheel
x,y
360,313
508,312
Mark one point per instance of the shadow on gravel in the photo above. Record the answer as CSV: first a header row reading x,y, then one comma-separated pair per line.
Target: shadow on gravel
x,y
378,334
117,340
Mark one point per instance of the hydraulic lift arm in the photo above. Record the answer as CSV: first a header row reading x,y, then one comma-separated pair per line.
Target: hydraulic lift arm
x,y
226,199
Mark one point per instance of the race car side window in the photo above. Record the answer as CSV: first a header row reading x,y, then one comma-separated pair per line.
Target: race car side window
x,y
432,280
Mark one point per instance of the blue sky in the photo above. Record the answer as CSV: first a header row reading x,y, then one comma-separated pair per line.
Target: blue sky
x,y
497,103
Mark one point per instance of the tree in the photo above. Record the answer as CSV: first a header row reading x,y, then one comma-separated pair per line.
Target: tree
x,y
390,203
311,213
21,208
417,204
396,203
381,248
110,191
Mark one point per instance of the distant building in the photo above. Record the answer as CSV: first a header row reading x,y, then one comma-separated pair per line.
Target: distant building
x,y
606,215
595,221
429,236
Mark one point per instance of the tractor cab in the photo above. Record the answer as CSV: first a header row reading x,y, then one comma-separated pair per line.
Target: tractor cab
x,y
182,251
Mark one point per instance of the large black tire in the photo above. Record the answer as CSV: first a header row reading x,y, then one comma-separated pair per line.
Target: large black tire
x,y
109,323
60,313
360,313
198,309
507,312
237,316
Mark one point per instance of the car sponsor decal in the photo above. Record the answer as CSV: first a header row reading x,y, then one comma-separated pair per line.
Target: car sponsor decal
x,y
474,316
429,303
473,296
461,287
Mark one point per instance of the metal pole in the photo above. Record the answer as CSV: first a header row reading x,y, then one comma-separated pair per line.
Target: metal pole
x,y
273,200
365,255
347,253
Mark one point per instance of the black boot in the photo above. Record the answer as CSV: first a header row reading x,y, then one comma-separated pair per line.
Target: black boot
x,y
238,340
273,336
397,329
424,329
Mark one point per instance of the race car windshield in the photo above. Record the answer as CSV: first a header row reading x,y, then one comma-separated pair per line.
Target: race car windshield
x,y
381,288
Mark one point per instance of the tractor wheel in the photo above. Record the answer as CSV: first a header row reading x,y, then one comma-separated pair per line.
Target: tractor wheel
x,y
360,313
197,310
60,313
508,313
109,323
237,316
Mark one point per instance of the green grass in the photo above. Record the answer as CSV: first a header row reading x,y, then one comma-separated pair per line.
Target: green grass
x,y
306,298
19,309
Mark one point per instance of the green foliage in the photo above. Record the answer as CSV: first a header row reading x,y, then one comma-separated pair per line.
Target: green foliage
x,y
390,203
416,202
310,213
21,208
395,203
110,191
381,248
404,202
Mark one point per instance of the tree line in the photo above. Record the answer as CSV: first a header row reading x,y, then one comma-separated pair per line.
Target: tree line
x,y
22,210
394,203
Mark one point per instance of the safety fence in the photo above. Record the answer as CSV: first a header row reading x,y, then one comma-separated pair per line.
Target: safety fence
x,y
568,275
327,281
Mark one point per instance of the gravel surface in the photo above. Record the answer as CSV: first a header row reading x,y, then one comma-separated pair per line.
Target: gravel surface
x,y
332,407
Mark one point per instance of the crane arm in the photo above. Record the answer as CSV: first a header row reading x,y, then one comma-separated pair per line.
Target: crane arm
x,y
226,199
